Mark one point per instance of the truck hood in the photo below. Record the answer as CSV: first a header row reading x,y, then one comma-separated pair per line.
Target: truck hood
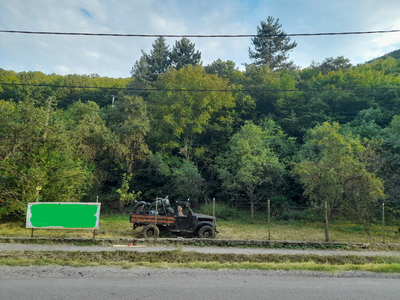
x,y
204,217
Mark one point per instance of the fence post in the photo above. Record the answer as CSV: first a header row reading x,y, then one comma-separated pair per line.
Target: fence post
x,y
155,215
326,223
269,220
94,231
214,221
383,221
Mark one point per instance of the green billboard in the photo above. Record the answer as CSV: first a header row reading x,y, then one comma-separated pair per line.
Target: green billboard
x,y
63,215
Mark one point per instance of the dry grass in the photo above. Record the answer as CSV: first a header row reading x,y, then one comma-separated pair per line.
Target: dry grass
x,y
118,226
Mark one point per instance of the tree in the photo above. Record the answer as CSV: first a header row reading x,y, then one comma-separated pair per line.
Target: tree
x,y
334,172
141,76
271,46
256,79
185,113
390,169
37,152
334,64
250,167
92,140
147,69
187,181
158,60
125,196
128,121
183,54
221,68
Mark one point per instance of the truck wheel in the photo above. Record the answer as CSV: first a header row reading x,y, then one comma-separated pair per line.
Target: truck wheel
x,y
206,232
150,231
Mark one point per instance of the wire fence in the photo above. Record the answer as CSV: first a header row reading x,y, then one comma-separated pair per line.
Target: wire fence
x,y
271,222
322,224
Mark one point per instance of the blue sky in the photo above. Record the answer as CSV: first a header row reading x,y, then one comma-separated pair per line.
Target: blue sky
x,y
115,56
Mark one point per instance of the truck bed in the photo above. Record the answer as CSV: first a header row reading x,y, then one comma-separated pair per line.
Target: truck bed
x,y
146,219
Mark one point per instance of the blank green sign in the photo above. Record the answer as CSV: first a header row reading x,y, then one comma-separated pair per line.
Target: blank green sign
x,y
63,215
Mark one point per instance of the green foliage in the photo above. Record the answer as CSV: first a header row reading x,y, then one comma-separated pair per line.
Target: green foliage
x,y
35,152
189,112
251,169
126,196
331,64
128,121
186,181
224,69
334,173
203,142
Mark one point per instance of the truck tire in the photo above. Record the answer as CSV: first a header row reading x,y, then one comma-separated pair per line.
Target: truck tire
x,y
206,232
150,231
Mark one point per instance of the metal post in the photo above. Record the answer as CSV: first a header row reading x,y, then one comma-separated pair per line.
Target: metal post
x,y
97,199
269,220
383,221
32,233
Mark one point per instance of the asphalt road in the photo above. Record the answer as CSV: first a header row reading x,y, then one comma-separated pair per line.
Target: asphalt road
x,y
98,283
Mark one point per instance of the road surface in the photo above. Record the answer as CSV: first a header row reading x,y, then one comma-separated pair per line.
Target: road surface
x,y
98,283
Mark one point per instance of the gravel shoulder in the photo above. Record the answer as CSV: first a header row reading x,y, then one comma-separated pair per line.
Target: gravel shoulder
x,y
205,249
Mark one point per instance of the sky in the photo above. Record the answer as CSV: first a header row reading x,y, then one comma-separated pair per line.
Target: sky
x,y
115,56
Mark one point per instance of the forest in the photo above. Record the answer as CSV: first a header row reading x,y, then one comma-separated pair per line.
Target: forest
x,y
268,131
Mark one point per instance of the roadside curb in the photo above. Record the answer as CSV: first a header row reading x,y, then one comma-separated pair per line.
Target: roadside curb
x,y
202,242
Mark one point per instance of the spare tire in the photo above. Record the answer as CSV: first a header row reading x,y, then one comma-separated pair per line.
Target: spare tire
x,y
150,231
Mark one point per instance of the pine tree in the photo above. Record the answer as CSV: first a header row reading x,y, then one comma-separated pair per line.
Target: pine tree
x,y
158,59
271,46
183,54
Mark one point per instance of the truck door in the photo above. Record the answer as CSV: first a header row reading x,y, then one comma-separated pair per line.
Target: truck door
x,y
185,222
